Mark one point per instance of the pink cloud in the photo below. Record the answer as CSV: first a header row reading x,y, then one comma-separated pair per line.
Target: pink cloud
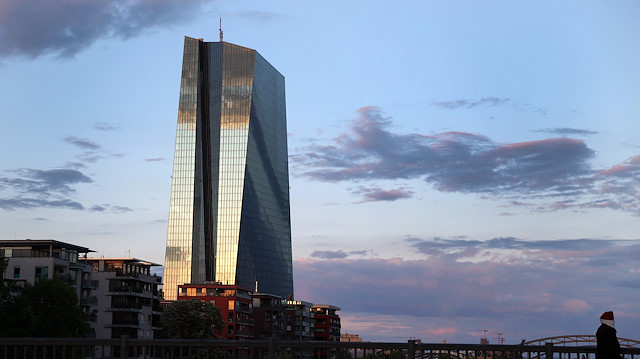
x,y
543,289
630,165
442,331
575,305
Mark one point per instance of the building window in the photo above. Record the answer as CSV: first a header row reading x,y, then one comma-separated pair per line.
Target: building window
x,y
16,272
42,272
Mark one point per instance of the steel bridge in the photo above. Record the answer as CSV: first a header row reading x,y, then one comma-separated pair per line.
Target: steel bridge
x,y
581,340
563,347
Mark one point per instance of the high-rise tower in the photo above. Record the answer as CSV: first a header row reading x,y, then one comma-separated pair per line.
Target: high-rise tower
x,y
229,214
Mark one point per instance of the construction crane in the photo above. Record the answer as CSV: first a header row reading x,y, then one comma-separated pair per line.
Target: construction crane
x,y
483,338
500,337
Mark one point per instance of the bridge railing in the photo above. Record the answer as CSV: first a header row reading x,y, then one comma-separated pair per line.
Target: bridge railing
x,y
43,348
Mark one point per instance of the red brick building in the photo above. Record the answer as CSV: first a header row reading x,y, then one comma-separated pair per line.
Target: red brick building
x,y
235,303
326,323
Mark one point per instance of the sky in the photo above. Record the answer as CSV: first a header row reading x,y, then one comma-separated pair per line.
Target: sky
x,y
456,168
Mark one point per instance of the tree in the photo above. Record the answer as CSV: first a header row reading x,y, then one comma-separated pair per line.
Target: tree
x,y
55,313
191,319
6,299
47,309
5,285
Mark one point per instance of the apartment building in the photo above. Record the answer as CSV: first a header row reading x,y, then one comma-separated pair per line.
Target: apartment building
x,y
235,303
32,259
127,298
268,316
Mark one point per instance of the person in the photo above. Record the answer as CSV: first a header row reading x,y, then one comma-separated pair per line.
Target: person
x,y
607,341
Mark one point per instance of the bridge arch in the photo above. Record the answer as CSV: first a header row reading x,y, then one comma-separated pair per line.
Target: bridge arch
x,y
580,340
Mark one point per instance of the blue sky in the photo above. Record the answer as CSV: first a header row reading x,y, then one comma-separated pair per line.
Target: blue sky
x,y
455,166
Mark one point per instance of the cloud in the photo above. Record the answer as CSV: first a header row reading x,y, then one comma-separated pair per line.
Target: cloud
x,y
82,143
566,131
41,188
75,165
452,161
105,126
261,16
527,289
515,243
107,208
10,204
556,169
56,181
375,194
92,154
329,254
66,27
29,188
463,103
156,159
336,254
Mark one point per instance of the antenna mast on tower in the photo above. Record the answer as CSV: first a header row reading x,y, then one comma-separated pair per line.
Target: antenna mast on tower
x,y
220,29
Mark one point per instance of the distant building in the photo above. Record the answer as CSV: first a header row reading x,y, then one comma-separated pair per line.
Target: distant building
x,y
326,328
268,316
128,299
235,305
32,259
350,338
299,320
229,216
326,323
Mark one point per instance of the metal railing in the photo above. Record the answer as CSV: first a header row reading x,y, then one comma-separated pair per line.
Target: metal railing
x,y
126,347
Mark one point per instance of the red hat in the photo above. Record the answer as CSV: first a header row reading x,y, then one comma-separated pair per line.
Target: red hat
x,y
607,315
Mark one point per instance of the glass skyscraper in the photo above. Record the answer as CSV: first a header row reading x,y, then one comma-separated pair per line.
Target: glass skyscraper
x,y
229,218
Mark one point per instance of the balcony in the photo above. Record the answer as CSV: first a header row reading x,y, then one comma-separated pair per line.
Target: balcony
x,y
89,301
91,318
124,323
77,265
125,307
90,284
128,290
65,278
157,310
120,274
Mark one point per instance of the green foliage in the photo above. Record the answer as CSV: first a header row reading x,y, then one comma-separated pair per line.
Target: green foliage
x,y
191,319
47,309
5,285
54,310
6,300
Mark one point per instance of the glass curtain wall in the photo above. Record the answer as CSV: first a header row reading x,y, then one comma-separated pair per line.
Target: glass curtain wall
x,y
178,257
229,217
235,100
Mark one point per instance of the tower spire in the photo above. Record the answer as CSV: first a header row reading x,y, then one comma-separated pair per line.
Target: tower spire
x,y
220,29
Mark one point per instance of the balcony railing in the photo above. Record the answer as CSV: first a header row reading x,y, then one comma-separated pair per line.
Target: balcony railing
x,y
163,348
90,284
124,305
89,301
126,289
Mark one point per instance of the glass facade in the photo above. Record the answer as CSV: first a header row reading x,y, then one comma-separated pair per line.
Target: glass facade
x,y
229,214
